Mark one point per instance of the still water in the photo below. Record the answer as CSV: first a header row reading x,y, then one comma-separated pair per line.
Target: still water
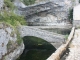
x,y
36,49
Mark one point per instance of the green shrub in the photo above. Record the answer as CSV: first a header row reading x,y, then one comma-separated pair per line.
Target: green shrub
x,y
19,39
70,16
9,4
12,0
11,18
66,36
28,2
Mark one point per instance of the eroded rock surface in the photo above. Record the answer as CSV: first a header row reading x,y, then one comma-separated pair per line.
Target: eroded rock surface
x,y
47,12
9,47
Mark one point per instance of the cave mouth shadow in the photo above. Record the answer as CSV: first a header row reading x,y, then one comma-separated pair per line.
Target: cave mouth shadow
x,y
36,49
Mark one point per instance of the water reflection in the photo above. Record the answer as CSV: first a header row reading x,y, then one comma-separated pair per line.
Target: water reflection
x,y
36,49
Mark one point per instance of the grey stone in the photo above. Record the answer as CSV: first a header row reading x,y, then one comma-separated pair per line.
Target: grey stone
x,y
41,13
43,34
19,4
15,54
8,35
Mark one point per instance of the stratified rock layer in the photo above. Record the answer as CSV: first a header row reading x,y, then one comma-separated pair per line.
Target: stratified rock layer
x,y
49,12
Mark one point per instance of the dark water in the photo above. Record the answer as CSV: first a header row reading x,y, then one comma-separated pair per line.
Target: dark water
x,y
36,49
36,55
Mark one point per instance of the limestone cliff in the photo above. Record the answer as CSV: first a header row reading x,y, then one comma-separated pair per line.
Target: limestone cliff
x,y
48,12
10,48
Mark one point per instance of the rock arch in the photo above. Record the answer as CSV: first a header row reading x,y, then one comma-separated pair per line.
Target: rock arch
x,y
45,35
37,42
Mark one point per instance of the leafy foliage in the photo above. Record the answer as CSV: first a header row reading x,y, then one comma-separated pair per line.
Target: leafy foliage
x,y
66,36
11,18
19,39
28,2
8,3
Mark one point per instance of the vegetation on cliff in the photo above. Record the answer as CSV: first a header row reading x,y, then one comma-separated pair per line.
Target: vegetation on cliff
x,y
9,4
29,2
11,18
8,16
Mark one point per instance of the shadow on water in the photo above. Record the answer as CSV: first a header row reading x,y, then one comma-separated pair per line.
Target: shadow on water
x,y
36,49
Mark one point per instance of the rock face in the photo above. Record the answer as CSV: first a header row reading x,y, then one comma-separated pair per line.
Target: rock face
x,y
1,3
15,54
48,12
55,39
43,34
19,4
9,48
74,50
